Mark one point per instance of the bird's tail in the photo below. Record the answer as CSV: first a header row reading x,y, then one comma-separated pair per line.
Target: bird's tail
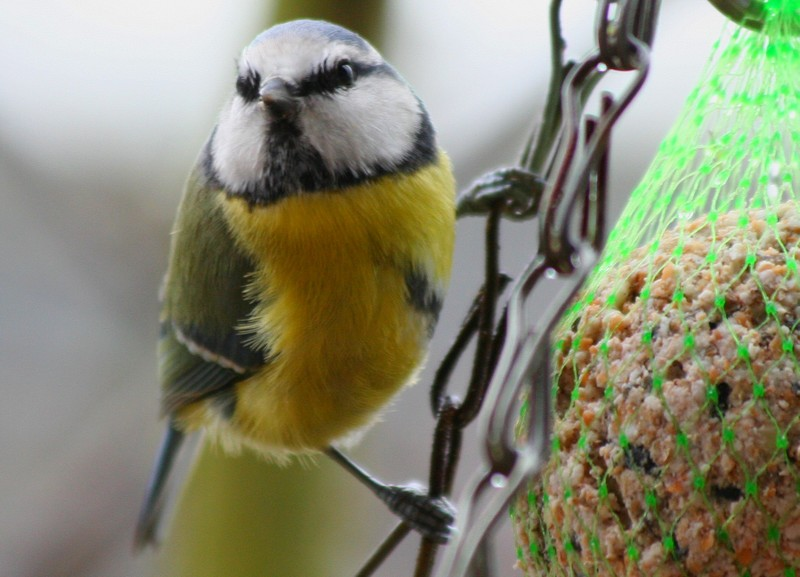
x,y
150,514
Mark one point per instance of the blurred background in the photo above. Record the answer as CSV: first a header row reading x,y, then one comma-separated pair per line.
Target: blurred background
x,y
103,107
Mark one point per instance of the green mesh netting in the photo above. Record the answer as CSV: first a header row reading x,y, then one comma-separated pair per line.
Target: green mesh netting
x,y
676,445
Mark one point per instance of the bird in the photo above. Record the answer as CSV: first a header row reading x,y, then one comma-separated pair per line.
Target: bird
x,y
309,260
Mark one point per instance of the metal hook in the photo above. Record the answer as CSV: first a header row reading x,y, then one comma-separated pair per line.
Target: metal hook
x,y
747,13
567,246
753,14
618,23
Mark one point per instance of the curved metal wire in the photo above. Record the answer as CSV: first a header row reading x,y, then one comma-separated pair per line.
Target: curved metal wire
x,y
570,238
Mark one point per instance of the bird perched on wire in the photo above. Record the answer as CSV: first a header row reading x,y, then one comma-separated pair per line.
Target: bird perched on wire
x,y
309,259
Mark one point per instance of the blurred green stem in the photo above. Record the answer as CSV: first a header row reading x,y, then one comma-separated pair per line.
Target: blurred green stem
x,y
537,151
366,17
239,516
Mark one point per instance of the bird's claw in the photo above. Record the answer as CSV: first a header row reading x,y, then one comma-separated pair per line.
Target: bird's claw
x,y
433,517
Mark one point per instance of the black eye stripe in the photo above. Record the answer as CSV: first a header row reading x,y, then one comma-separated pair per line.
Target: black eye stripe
x,y
329,78
247,85
326,79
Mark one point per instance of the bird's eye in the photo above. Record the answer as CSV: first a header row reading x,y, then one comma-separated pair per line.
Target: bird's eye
x,y
247,85
345,74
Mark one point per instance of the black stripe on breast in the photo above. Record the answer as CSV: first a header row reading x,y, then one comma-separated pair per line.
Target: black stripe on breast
x,y
423,297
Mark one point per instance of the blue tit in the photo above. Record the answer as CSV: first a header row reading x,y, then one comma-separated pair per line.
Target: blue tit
x,y
309,260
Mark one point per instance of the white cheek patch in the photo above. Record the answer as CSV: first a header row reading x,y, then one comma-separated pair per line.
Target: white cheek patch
x,y
375,123
239,147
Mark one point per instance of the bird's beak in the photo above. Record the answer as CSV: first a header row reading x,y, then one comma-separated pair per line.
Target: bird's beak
x,y
277,98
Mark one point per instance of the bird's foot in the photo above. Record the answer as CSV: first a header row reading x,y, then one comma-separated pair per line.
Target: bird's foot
x,y
433,517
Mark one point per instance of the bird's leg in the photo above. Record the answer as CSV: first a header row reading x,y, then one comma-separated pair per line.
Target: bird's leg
x,y
433,517
517,190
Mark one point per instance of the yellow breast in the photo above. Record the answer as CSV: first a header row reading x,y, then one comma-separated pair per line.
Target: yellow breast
x,y
335,312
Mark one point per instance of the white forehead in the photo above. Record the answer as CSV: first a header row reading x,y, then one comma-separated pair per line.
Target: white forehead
x,y
295,48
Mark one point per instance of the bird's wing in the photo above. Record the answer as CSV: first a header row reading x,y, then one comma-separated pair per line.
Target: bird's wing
x,y
202,350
